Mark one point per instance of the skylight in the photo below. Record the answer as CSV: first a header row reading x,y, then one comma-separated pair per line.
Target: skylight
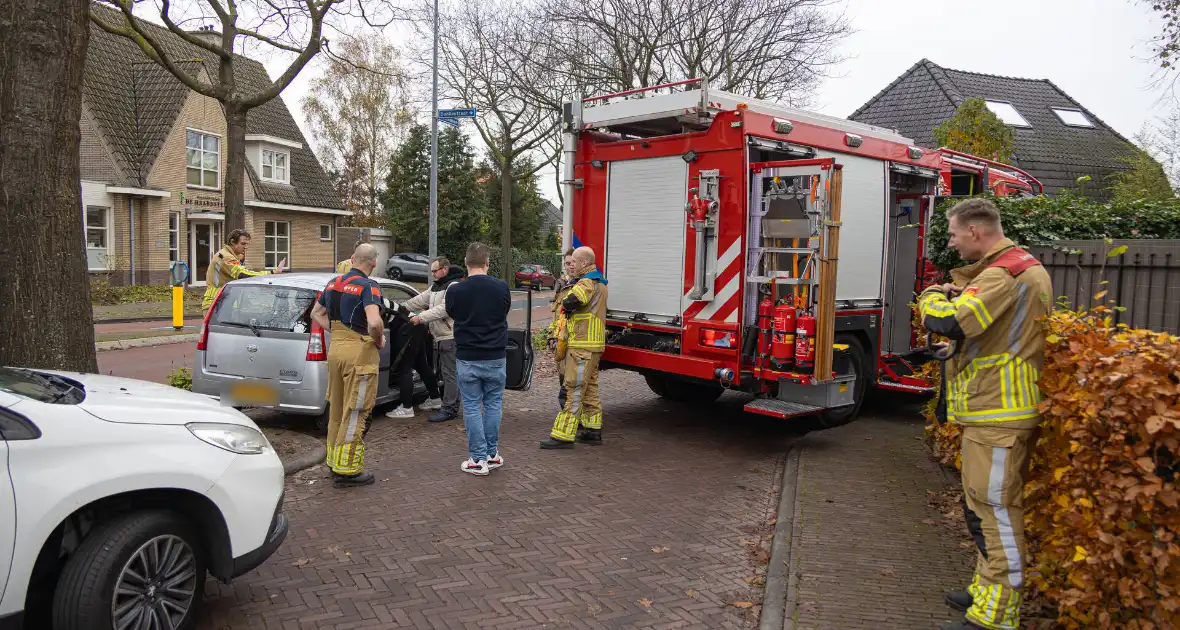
x,y
1072,117
1007,113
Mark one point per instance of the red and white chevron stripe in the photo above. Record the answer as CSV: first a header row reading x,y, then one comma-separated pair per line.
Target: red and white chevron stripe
x,y
726,293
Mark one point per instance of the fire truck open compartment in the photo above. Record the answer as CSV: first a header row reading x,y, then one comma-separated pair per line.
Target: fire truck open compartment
x,y
705,207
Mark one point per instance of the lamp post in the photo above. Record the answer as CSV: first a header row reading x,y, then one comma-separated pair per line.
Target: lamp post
x,y
433,248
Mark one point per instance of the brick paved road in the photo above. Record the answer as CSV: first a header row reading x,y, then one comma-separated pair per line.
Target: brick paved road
x,y
657,529
870,551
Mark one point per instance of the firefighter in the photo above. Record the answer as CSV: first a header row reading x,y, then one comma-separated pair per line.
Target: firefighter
x,y
991,311
560,290
227,265
582,341
345,265
350,308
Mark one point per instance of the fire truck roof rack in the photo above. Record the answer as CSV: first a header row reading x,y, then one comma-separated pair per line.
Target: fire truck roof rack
x,y
662,110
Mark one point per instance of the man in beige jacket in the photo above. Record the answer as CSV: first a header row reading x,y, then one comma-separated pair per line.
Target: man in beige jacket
x,y
430,309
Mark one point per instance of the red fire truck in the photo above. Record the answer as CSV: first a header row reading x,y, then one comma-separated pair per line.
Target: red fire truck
x,y
756,247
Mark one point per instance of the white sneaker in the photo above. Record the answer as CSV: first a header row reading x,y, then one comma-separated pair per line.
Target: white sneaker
x,y
431,404
400,412
495,462
474,467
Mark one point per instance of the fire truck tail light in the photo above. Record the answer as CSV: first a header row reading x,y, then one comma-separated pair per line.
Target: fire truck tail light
x,y
718,338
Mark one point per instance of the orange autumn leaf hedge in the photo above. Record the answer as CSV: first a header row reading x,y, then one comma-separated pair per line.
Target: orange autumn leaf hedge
x,y
1102,502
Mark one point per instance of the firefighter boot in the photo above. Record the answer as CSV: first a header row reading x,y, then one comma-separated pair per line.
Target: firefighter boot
x,y
554,443
590,437
349,481
959,600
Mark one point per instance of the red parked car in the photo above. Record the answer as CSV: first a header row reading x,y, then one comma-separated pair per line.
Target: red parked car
x,y
535,276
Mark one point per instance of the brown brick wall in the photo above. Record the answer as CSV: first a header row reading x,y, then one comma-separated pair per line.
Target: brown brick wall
x,y
95,159
308,252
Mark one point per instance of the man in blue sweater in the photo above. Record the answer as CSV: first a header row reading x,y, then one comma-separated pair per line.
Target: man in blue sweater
x,y
479,305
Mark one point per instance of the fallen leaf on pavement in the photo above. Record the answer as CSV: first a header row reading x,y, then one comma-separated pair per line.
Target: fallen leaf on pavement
x,y
333,549
741,604
300,562
748,543
646,603
927,522
692,592
772,521
658,549
755,580
889,571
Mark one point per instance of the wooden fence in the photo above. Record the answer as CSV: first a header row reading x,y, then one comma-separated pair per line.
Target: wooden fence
x,y
1145,279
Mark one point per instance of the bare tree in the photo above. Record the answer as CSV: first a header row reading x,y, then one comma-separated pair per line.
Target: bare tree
x,y
295,28
485,57
773,49
356,109
42,53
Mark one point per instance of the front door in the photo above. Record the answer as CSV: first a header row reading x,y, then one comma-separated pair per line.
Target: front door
x,y
205,239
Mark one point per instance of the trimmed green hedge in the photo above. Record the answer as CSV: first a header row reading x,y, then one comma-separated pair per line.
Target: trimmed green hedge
x,y
1042,220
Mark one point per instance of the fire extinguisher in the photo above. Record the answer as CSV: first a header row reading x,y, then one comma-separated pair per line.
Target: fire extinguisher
x,y
805,344
765,314
782,347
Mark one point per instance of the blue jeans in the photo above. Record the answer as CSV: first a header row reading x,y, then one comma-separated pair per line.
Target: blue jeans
x,y
481,385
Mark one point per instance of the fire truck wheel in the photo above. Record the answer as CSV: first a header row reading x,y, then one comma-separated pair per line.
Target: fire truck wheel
x,y
698,392
843,415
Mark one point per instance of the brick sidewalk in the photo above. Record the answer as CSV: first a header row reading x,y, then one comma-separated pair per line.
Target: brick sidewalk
x,y
870,552
658,528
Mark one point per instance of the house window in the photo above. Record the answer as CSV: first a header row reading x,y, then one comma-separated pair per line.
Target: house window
x,y
1072,117
274,166
277,245
325,232
173,236
204,159
1007,113
97,227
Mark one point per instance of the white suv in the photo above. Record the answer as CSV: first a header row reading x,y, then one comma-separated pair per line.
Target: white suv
x,y
117,496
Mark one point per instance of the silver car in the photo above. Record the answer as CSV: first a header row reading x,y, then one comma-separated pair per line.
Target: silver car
x,y
406,265
258,347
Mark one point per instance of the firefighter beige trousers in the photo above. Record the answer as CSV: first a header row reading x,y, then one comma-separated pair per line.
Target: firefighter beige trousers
x,y
995,465
582,407
353,363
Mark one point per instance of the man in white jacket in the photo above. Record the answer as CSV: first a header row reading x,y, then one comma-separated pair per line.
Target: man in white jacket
x,y
430,309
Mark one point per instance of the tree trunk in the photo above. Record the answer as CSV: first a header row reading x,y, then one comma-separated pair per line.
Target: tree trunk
x,y
235,169
45,314
506,220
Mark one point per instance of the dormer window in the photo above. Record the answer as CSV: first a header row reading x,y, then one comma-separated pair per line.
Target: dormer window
x,y
274,166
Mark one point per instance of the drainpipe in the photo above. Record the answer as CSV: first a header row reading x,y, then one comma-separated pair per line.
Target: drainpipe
x,y
131,234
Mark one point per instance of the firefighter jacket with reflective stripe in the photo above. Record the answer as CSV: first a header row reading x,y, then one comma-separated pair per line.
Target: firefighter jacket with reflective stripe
x,y
344,266
992,379
586,325
223,268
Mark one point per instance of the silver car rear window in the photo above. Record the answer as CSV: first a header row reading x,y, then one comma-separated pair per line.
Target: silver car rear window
x,y
264,306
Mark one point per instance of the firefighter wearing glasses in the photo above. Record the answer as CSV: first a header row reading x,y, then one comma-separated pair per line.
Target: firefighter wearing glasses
x,y
350,308
579,347
991,311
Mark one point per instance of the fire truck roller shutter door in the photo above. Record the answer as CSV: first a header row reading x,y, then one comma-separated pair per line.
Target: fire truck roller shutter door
x,y
859,275
645,233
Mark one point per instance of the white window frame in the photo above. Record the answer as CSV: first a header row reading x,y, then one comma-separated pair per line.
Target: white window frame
x,y
275,176
201,169
270,231
1023,121
173,231
106,228
329,236
1059,111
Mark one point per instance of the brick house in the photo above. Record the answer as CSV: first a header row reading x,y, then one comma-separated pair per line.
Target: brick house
x,y
1055,138
153,161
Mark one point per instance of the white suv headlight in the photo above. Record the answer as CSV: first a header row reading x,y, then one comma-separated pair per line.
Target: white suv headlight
x,y
231,437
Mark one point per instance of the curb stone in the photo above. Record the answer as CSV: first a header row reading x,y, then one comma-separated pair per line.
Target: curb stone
x,y
779,574
144,342
305,461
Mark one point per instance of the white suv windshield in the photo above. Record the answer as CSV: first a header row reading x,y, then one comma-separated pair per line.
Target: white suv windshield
x,y
42,387
262,307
